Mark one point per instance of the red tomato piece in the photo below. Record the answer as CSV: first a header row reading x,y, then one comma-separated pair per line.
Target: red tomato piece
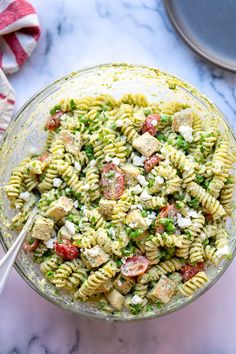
x,y
151,162
112,181
150,124
188,270
30,245
54,121
66,250
168,212
134,266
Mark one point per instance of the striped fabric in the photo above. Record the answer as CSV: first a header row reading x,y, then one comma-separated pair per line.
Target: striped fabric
x,y
19,33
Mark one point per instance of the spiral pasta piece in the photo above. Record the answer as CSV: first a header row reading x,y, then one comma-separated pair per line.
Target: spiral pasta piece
x,y
194,284
95,280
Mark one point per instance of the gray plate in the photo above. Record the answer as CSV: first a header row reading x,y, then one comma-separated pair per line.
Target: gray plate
x,y
208,27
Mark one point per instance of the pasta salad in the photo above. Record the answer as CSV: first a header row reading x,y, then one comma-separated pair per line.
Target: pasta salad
x,y
133,201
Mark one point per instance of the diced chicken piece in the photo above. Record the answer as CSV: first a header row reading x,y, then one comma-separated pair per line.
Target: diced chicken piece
x,y
146,144
182,119
115,298
36,167
42,229
60,208
135,219
106,207
105,287
163,290
95,256
131,173
63,233
71,141
123,284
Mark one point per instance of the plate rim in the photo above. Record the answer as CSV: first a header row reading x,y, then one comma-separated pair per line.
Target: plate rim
x,y
169,6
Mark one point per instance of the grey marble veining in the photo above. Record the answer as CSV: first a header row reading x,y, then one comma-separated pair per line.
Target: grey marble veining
x,y
76,34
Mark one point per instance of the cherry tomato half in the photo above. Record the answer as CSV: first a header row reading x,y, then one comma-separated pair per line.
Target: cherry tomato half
x,y
66,250
188,270
134,266
150,124
112,181
30,245
54,121
151,162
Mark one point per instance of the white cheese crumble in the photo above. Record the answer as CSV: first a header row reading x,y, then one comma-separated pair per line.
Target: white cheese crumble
x,y
92,163
57,182
203,236
145,196
111,232
133,225
223,251
86,187
193,214
119,122
116,161
76,204
183,222
24,195
107,158
159,180
150,217
70,227
137,189
141,179
77,166
136,300
186,132
154,123
138,160
50,242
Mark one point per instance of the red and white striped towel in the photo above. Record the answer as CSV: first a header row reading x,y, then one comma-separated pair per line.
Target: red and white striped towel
x,y
19,33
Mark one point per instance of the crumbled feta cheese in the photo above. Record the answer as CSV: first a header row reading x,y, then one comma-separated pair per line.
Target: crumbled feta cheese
x,y
150,217
123,138
116,161
193,214
77,166
136,300
76,204
142,180
145,196
133,225
107,158
86,187
159,180
63,117
139,206
154,123
24,195
138,160
70,227
50,242
183,222
57,182
223,251
137,189
203,236
186,132
92,163
119,122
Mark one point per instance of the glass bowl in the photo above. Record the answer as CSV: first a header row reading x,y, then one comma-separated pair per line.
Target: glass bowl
x,y
26,134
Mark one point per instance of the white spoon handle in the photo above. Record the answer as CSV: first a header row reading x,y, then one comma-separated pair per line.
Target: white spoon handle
x,y
8,260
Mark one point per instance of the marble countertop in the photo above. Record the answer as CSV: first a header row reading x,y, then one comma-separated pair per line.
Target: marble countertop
x,y
75,34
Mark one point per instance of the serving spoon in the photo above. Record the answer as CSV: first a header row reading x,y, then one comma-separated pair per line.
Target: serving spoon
x,y
8,260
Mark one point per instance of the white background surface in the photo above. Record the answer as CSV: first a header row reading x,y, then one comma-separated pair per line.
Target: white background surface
x,y
79,33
